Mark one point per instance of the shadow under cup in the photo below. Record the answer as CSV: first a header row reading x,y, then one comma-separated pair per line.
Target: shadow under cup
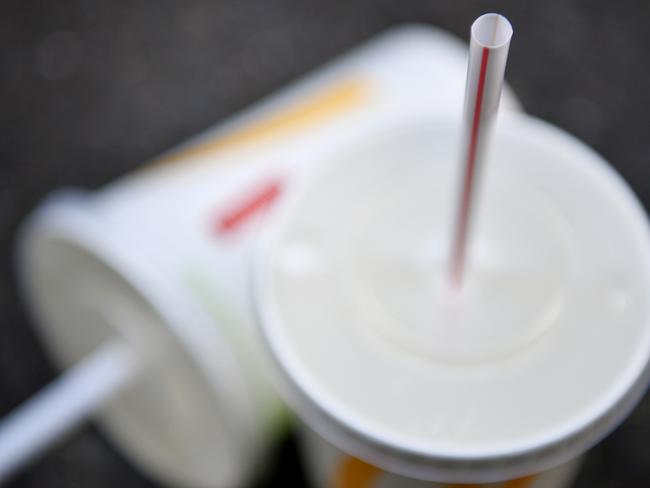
x,y
544,351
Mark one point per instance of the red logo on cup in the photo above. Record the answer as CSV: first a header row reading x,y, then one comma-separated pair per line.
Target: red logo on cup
x,y
246,208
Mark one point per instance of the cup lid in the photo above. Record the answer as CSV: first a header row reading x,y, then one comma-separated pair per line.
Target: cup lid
x,y
545,352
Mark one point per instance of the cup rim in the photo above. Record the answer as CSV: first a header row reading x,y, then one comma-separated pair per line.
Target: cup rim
x,y
416,461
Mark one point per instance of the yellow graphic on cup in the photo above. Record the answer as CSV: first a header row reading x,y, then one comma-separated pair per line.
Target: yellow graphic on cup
x,y
319,107
355,473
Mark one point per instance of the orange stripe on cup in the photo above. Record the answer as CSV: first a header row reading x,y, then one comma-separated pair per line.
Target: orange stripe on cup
x,y
319,107
355,473
524,482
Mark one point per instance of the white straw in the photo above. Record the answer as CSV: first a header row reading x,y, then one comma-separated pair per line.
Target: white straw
x,y
64,404
488,53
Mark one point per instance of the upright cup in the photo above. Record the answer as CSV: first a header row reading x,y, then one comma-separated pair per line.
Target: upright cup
x,y
544,352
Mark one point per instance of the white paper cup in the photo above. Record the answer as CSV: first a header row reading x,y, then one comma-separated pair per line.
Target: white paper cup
x,y
544,353
159,258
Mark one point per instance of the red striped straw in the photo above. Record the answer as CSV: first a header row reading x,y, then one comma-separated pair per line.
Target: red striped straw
x,y
488,53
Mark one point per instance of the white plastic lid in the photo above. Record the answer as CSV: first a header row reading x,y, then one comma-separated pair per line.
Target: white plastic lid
x,y
545,351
